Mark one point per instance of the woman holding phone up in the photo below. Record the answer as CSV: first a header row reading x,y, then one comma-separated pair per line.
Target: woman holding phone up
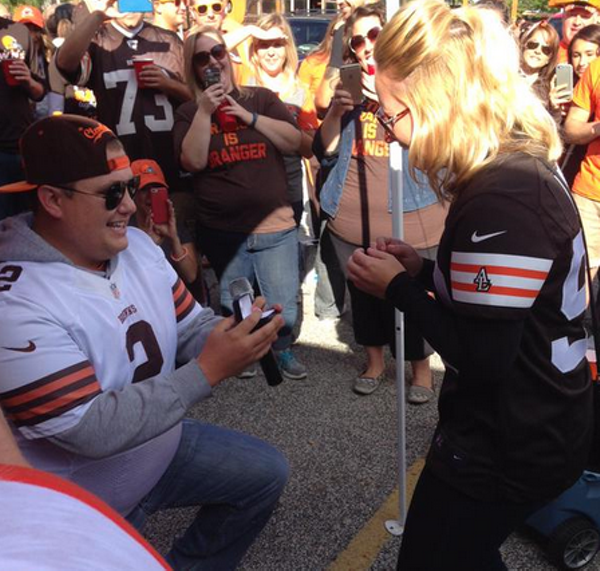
x,y
351,145
232,139
515,408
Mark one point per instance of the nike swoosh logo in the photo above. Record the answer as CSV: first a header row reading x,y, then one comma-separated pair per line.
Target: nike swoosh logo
x,y
29,349
475,238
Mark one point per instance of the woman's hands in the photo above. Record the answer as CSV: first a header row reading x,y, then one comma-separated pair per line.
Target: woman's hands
x,y
211,98
341,102
560,96
403,252
232,107
373,271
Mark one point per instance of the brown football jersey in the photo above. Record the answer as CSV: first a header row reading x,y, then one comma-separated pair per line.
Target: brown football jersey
x,y
16,114
141,118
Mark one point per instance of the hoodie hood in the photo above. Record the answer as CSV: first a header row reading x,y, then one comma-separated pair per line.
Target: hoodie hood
x,y
19,243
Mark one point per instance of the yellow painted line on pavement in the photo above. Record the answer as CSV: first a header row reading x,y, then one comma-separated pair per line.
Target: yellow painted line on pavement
x,y
362,551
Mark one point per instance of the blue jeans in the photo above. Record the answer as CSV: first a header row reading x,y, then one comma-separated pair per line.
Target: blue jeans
x,y
269,260
236,478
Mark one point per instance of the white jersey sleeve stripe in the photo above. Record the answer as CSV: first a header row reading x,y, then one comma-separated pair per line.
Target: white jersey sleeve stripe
x,y
498,280
481,298
508,261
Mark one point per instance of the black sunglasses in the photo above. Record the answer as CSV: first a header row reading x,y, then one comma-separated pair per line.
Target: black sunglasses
x,y
114,194
358,42
266,44
531,45
201,59
216,8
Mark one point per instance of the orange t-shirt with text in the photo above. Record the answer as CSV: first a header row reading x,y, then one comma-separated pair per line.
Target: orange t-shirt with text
x,y
587,97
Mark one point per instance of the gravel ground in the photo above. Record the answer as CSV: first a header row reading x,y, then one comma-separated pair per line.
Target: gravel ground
x,y
342,451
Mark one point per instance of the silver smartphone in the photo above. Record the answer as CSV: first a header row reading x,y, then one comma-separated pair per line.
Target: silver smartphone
x,y
351,76
564,76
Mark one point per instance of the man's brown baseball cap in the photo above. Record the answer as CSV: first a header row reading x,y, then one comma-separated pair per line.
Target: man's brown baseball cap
x,y
62,149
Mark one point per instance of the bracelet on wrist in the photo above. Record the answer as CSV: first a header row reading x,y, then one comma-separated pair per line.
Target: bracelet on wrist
x,y
254,119
183,256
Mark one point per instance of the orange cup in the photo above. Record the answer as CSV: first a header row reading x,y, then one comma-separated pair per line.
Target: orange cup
x,y
139,64
8,76
591,357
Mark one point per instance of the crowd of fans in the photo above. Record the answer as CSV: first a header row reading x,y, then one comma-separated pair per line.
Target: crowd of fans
x,y
251,147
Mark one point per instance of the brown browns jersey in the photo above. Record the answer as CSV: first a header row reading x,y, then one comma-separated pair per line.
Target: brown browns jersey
x,y
141,118
16,114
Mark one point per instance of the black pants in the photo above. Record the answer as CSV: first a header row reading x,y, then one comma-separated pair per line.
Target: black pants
x,y
449,531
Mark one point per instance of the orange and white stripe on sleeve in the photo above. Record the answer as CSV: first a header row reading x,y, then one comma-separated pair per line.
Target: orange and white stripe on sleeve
x,y
183,300
498,280
51,396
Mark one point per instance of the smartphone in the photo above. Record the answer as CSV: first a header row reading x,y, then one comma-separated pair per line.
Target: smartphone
x,y
212,75
135,6
564,76
351,76
159,205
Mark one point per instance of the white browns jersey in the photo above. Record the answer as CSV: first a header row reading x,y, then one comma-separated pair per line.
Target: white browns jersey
x,y
70,334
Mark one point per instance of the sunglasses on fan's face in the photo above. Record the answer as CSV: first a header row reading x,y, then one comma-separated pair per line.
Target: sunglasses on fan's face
x,y
203,9
266,44
546,49
201,59
359,41
177,3
114,194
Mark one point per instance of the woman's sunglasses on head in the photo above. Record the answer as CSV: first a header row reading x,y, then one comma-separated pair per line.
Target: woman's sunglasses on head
x,y
531,45
359,41
201,59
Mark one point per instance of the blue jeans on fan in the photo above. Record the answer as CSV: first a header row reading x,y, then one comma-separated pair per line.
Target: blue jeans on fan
x,y
235,478
269,260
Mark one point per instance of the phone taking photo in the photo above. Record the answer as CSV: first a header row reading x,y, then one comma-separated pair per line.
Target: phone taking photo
x,y
159,205
351,77
564,77
126,6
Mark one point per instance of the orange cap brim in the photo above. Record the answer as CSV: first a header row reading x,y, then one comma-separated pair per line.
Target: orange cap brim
x,y
22,186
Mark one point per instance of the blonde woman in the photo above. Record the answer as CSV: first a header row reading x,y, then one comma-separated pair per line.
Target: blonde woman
x,y
232,141
515,406
273,64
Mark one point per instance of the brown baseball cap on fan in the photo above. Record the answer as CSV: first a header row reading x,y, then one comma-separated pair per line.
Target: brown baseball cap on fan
x,y
63,149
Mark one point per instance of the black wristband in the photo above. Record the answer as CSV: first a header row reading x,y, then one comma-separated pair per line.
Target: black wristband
x,y
254,119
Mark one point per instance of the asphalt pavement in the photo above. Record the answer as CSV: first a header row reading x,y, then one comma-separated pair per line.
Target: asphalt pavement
x,y
342,449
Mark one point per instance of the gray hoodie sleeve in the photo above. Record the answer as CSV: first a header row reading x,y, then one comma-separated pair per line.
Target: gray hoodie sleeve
x,y
119,420
144,410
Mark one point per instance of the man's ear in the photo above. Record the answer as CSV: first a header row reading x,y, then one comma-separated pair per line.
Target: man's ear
x,y
52,200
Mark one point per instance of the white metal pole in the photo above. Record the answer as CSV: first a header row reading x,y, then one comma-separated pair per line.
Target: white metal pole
x,y
396,527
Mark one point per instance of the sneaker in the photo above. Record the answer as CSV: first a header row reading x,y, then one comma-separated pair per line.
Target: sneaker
x,y
289,366
248,373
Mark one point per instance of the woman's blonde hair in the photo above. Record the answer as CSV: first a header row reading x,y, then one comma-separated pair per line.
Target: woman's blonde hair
x,y
290,64
468,102
189,49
